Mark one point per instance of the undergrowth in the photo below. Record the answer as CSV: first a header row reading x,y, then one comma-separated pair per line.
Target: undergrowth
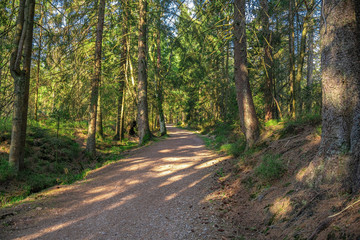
x,y
270,168
224,137
52,157
293,127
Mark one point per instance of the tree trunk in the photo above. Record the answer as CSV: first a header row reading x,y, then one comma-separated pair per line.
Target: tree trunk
x,y
248,118
38,72
22,52
122,117
341,89
268,61
91,140
122,78
160,97
143,119
310,69
292,60
99,118
301,58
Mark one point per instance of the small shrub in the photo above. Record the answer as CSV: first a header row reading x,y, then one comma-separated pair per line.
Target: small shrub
x,y
40,181
319,130
234,149
270,168
272,122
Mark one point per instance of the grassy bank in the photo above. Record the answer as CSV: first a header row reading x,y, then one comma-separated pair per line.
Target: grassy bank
x,y
54,154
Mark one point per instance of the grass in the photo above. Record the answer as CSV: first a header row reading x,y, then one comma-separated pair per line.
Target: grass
x,y
234,149
6,171
224,137
52,157
291,126
270,168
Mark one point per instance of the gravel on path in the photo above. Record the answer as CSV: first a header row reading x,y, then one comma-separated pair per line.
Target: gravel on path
x,y
156,193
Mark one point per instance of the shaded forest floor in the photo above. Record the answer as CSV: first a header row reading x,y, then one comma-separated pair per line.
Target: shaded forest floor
x,y
259,191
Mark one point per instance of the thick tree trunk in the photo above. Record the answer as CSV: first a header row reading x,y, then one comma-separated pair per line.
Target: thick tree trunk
x,y
143,119
91,140
268,61
23,43
292,60
22,52
341,90
248,118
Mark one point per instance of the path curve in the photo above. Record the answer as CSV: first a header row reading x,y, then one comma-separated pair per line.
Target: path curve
x,y
156,193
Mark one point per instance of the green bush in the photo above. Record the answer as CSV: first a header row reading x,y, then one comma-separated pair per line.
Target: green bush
x,y
38,182
270,168
272,122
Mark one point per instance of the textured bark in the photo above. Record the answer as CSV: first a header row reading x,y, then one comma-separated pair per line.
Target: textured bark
x,y
122,78
301,58
99,117
268,61
340,61
143,118
122,117
91,140
292,59
37,85
22,52
310,69
248,118
160,97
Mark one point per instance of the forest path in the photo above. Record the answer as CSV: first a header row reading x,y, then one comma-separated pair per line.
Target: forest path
x,y
156,193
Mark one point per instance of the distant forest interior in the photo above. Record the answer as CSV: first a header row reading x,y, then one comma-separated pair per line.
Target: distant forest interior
x,y
82,82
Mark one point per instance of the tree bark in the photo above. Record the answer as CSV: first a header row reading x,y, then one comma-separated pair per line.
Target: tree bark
x,y
123,68
268,61
292,60
143,119
340,57
301,58
99,118
38,70
310,69
160,97
248,118
22,52
91,140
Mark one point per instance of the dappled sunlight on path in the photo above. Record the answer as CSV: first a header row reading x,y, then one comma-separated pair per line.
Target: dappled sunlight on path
x,y
153,194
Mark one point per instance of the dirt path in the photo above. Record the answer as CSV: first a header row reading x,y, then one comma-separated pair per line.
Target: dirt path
x,y
157,193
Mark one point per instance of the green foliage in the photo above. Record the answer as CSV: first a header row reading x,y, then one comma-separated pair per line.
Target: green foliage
x,y
293,127
270,168
318,130
272,122
52,158
234,149
6,171
224,138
